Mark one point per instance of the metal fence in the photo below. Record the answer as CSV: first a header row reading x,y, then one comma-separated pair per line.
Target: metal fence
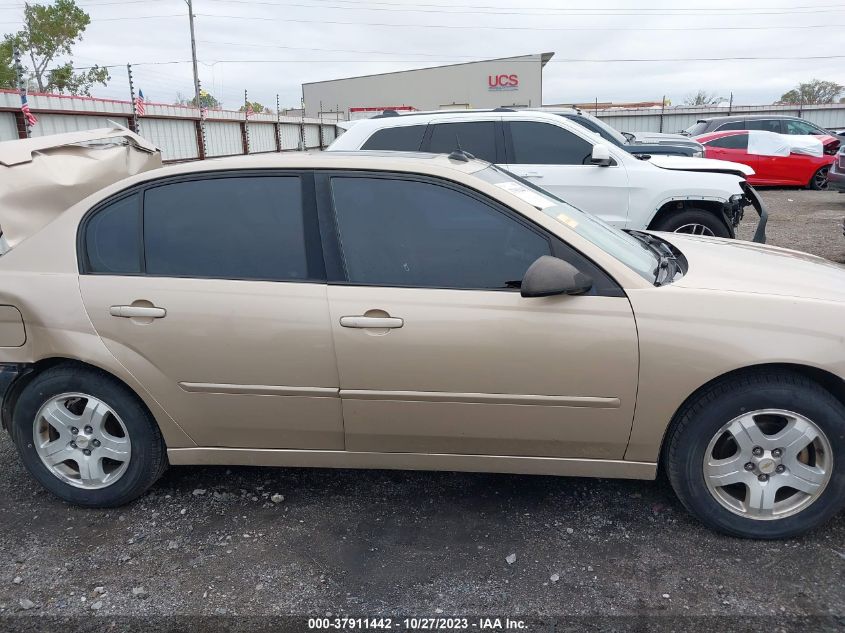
x,y
177,130
674,119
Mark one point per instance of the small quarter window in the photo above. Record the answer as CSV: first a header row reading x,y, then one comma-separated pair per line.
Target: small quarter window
x,y
112,238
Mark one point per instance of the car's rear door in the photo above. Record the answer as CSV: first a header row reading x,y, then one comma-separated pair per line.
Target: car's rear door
x,y
558,160
211,290
438,352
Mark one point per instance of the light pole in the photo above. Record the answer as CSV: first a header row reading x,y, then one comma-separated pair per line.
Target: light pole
x,y
194,53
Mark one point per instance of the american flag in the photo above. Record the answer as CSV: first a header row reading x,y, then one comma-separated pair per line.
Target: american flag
x,y
27,113
139,104
249,111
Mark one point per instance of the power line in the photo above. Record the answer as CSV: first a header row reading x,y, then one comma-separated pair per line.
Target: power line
x,y
503,28
573,60
503,10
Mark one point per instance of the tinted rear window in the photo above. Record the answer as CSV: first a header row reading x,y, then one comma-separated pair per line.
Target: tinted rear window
x,y
226,228
113,238
400,139
478,138
735,141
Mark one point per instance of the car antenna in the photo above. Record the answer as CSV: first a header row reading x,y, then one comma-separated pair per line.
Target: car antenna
x,y
459,154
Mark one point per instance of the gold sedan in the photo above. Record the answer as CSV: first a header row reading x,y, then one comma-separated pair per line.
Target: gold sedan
x,y
410,311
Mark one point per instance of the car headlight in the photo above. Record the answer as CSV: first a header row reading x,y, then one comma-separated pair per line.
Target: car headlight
x,y
697,154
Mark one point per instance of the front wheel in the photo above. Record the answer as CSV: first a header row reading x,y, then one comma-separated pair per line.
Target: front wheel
x,y
86,437
819,180
694,222
760,455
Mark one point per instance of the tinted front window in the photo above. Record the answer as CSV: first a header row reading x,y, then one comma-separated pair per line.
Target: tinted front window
x,y
802,127
769,125
546,144
419,234
477,138
235,228
735,141
400,139
113,238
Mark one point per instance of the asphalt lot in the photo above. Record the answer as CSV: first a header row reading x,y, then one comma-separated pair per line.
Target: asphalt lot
x,y
210,541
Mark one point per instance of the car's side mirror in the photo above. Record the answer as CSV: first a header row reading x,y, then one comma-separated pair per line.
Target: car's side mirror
x,y
601,156
549,276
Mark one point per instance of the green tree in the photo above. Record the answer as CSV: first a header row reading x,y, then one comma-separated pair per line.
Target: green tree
x,y
256,107
50,33
814,91
702,98
207,100
8,78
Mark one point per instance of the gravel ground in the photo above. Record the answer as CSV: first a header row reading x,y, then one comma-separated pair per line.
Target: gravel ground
x,y
222,542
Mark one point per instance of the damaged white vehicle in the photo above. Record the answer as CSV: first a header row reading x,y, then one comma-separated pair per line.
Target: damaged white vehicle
x,y
662,193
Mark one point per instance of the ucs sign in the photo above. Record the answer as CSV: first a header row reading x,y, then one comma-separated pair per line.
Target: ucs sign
x,y
502,82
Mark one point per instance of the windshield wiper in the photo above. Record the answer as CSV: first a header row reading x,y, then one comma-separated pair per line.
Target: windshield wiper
x,y
667,263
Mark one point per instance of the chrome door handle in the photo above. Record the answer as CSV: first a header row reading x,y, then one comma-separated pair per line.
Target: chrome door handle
x,y
371,322
130,312
532,174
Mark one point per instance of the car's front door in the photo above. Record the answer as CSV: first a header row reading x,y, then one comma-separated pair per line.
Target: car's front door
x,y
558,160
220,311
438,352
734,148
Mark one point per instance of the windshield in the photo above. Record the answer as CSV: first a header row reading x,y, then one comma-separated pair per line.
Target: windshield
x,y
607,131
634,253
696,128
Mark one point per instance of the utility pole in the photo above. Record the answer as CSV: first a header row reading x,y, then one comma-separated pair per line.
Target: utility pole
x,y
194,52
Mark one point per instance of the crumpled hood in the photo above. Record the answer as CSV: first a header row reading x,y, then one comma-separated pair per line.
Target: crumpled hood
x,y
738,266
684,163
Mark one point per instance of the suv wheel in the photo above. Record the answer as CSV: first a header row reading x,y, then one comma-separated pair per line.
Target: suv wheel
x,y
760,455
694,222
86,438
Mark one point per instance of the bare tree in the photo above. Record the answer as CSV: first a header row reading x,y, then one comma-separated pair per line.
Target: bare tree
x,y
702,97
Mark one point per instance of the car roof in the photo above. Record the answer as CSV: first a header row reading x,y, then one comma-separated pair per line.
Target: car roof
x,y
506,113
741,117
411,162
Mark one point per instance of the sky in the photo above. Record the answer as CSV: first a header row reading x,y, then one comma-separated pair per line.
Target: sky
x,y
271,47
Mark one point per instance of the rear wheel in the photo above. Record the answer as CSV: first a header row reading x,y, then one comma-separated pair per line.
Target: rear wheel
x,y
86,437
819,179
694,222
760,455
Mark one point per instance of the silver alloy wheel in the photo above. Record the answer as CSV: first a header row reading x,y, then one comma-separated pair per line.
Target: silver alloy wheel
x,y
695,229
768,464
82,441
820,178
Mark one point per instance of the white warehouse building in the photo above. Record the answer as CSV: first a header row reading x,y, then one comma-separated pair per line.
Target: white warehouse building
x,y
509,81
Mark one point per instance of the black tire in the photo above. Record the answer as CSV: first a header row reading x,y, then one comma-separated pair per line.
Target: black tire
x,y
819,180
672,222
148,455
700,420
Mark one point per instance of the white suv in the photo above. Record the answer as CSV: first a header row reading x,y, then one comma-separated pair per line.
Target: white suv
x,y
665,193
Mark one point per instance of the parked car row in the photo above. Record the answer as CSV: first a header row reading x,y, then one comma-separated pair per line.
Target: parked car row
x,y
389,309
779,124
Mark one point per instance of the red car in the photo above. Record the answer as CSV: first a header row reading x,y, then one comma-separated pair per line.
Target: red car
x,y
796,169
